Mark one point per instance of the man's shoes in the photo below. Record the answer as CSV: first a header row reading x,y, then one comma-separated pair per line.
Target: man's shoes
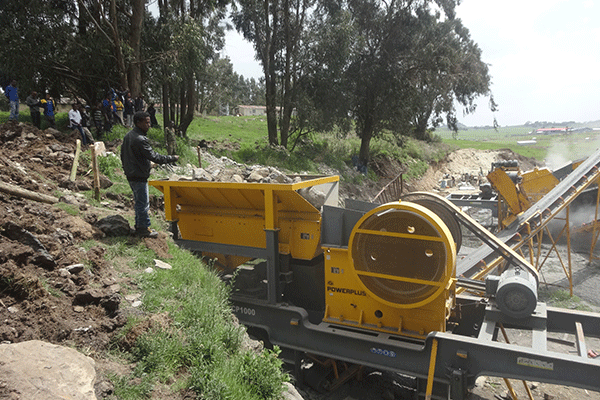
x,y
146,232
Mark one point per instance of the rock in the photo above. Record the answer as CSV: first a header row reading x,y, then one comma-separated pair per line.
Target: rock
x,y
114,225
104,389
313,196
40,370
105,183
133,297
89,296
237,179
255,177
162,265
57,147
75,268
111,303
41,256
149,270
115,288
83,185
105,298
69,199
200,174
278,177
100,150
291,393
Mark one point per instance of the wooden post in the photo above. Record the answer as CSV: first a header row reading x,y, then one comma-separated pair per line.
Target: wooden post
x,y
96,172
76,160
199,157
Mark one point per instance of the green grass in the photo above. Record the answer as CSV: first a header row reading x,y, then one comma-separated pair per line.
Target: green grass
x,y
199,337
244,130
68,208
562,298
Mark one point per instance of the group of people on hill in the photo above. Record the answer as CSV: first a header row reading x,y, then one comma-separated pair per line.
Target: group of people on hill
x,y
117,107
34,103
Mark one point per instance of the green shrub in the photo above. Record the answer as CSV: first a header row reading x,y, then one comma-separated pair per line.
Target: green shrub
x,y
110,166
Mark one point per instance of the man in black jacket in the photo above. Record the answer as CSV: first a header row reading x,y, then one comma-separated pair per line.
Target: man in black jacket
x,y
136,155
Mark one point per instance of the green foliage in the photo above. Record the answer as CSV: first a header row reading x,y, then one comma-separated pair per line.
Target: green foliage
x,y
110,166
256,366
128,388
199,337
117,132
236,129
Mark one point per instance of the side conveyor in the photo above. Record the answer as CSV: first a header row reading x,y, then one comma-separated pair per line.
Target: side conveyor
x,y
534,219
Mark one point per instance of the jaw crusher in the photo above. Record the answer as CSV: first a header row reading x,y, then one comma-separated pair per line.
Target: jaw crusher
x,y
375,285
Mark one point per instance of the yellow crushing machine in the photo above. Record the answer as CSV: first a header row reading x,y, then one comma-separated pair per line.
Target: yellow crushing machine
x,y
373,285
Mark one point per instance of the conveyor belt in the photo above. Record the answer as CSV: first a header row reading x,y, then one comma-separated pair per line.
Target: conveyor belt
x,y
537,216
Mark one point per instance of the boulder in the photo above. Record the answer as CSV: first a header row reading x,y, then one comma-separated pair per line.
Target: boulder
x,y
114,225
40,370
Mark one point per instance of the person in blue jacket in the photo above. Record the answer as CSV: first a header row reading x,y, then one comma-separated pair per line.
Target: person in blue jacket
x,y
49,107
12,94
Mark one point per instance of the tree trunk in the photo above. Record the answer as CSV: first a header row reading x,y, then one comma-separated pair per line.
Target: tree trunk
x,y
28,194
135,68
269,69
166,108
421,127
118,50
366,134
188,116
363,155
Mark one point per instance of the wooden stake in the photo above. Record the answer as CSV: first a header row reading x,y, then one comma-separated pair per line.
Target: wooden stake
x,y
75,161
199,157
96,172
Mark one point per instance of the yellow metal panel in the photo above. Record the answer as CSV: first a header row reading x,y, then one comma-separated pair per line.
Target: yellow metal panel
x,y
516,201
537,183
238,213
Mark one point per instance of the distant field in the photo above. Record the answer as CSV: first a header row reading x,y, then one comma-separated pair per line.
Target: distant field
x,y
555,150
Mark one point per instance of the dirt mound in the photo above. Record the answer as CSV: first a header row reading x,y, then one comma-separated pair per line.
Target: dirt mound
x,y
467,166
45,273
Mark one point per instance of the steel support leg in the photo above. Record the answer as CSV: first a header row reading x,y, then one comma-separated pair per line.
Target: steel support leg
x,y
273,269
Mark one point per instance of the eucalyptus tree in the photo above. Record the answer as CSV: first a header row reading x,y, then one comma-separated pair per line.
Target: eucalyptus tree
x,y
277,29
397,65
190,35
73,47
450,72
119,24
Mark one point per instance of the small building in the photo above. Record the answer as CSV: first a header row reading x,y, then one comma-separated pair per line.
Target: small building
x,y
553,131
252,110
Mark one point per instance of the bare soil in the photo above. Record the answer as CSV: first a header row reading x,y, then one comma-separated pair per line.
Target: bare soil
x,y
40,298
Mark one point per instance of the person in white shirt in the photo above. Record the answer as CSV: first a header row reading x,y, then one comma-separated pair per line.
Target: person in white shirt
x,y
75,121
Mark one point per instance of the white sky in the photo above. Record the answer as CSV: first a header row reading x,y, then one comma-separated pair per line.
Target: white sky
x,y
543,56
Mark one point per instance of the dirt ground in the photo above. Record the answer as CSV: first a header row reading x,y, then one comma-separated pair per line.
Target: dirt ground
x,y
46,295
